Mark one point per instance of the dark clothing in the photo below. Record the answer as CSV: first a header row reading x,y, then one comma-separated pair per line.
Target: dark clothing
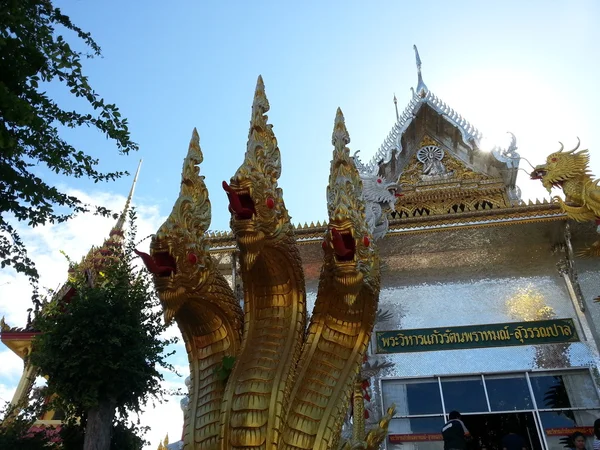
x,y
455,435
513,442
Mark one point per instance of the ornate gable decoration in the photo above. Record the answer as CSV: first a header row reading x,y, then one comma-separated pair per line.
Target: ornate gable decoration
x,y
436,182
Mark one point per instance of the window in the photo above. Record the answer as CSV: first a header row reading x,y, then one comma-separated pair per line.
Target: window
x,y
464,394
508,393
549,391
566,401
413,397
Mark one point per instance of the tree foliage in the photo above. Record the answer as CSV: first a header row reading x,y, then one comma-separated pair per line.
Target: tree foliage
x,y
104,345
34,53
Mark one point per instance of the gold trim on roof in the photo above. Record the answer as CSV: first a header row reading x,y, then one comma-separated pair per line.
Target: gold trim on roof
x,y
533,212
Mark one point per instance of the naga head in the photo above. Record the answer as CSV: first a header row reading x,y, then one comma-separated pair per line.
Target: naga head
x,y
348,241
258,213
377,189
561,166
179,255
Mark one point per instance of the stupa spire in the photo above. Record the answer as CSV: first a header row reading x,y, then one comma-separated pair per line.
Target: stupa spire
x,y
123,216
421,87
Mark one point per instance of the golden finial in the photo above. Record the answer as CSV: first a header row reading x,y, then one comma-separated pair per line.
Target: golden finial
x,y
262,153
191,211
166,441
3,325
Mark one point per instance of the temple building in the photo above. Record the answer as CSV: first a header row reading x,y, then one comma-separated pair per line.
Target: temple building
x,y
485,307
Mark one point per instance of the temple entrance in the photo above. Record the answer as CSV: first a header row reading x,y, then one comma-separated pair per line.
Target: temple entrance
x,y
489,429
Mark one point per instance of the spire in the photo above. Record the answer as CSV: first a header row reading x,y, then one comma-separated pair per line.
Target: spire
x,y
421,87
92,263
121,221
396,106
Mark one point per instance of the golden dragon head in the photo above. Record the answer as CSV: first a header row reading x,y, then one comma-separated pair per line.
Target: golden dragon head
x,y
348,242
258,213
179,255
562,166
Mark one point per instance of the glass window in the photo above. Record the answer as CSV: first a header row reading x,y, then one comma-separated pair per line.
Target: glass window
x,y
464,394
417,425
549,391
412,397
508,392
569,389
422,432
581,389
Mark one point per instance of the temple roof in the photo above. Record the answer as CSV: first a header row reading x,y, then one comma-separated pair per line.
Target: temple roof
x,y
392,146
470,134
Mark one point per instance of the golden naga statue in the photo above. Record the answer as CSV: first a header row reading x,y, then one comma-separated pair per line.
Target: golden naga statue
x,y
570,171
290,386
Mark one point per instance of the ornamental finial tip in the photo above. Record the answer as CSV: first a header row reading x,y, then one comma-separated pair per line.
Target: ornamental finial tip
x,y
123,216
421,87
340,133
417,57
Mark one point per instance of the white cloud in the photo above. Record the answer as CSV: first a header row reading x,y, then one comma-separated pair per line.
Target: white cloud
x,y
164,418
11,365
6,394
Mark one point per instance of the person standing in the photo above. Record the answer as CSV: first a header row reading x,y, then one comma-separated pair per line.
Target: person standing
x,y
512,441
455,433
597,434
578,440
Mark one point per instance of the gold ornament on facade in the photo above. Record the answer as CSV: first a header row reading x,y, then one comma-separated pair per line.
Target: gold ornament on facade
x,y
569,171
459,189
529,304
289,388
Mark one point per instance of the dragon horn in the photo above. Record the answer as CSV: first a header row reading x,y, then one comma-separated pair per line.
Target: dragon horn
x,y
562,146
191,211
578,144
262,152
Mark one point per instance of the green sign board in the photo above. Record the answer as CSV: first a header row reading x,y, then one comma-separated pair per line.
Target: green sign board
x,y
477,336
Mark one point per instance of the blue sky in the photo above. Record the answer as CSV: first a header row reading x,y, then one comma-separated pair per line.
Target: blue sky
x,y
172,67
527,67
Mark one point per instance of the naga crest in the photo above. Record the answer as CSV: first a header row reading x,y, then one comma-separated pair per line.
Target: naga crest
x,y
378,190
562,166
380,197
348,240
178,255
255,200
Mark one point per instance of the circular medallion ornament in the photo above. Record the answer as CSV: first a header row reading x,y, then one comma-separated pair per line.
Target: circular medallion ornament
x,y
430,153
